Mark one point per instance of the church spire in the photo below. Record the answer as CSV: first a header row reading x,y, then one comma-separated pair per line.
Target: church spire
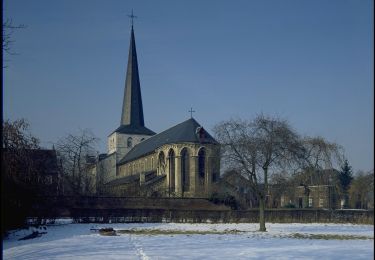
x,y
132,110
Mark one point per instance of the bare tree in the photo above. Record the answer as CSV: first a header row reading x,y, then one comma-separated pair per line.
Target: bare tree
x,y
77,154
8,30
258,148
318,167
17,141
361,190
322,154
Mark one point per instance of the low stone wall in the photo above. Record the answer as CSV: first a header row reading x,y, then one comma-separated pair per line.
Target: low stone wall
x,y
128,203
105,209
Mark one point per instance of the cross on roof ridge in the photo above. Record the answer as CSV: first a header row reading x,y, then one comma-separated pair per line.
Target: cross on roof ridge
x,y
191,112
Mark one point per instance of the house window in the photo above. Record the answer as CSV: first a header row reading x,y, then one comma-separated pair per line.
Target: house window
x,y
310,202
321,203
130,142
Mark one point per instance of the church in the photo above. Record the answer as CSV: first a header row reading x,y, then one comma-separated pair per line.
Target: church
x,y
182,161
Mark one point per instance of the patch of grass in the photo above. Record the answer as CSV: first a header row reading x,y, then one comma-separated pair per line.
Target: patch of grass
x,y
328,236
177,232
107,232
171,233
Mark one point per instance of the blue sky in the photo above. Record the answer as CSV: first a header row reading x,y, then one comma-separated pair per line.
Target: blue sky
x,y
310,62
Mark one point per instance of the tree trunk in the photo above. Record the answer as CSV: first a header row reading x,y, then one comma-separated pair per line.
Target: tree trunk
x,y
262,219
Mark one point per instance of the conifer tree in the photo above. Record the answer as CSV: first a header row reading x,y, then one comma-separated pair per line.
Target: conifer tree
x,y
346,176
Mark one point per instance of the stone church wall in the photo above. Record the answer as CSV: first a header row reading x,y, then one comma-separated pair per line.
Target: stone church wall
x,y
199,185
141,165
160,162
105,171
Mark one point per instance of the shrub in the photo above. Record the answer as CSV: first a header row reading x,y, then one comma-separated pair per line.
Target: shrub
x,y
231,202
215,198
289,205
226,199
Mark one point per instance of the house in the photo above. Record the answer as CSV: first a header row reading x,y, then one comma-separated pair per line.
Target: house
x,y
38,169
317,189
314,196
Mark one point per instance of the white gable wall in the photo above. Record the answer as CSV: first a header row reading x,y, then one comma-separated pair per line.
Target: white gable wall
x,y
118,143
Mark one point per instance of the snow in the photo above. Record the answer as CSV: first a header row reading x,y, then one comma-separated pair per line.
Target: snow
x,y
66,240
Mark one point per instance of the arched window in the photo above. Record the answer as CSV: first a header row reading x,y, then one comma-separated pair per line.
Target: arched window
x,y
185,170
130,142
161,163
201,165
171,160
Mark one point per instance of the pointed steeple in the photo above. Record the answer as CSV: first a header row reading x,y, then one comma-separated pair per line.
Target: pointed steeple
x,y
132,109
132,121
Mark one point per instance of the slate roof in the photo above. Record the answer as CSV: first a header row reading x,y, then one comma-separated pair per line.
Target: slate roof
x,y
123,180
132,120
155,179
134,129
132,110
44,160
181,133
129,179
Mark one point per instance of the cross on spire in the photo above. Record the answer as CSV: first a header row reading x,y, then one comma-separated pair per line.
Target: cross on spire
x,y
132,16
191,112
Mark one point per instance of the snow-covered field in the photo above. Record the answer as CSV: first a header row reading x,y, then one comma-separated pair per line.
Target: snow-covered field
x,y
195,241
